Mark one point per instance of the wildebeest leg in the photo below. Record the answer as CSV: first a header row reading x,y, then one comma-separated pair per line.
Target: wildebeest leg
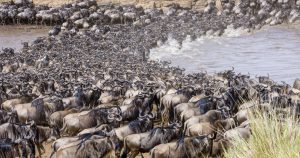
x,y
32,148
142,155
133,154
23,150
39,149
40,146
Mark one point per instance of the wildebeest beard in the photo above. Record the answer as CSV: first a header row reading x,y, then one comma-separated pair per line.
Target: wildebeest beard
x,y
138,126
39,105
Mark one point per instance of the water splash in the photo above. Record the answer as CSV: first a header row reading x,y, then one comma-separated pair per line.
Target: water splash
x,y
273,50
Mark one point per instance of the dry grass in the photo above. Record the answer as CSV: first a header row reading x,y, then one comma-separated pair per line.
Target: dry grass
x,y
271,138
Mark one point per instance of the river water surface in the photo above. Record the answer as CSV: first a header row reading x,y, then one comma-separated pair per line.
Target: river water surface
x,y
13,36
273,50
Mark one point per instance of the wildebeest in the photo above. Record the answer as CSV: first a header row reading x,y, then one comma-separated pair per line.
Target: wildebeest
x,y
76,101
169,101
144,142
199,146
56,118
210,117
8,148
93,147
74,123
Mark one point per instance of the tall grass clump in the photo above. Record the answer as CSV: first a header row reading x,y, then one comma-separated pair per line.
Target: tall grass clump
x,y
272,137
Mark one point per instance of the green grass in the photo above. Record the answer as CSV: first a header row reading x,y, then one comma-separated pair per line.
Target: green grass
x,y
271,138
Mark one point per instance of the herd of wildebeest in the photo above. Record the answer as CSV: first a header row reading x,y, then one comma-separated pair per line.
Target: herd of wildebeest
x,y
90,90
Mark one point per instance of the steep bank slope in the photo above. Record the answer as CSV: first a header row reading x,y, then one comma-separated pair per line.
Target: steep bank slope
x,y
192,4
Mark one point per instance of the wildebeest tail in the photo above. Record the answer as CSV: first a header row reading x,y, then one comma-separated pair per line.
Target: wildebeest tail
x,y
125,150
152,153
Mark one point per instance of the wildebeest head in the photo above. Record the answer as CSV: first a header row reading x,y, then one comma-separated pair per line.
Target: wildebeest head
x,y
281,101
296,84
107,115
13,117
214,115
142,124
265,80
144,103
187,91
206,104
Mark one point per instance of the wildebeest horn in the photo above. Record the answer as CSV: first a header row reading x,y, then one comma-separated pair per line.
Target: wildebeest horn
x,y
110,116
140,116
178,125
119,118
170,123
151,115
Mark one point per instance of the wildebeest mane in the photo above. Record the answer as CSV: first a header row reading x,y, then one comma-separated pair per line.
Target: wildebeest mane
x,y
87,136
39,105
135,126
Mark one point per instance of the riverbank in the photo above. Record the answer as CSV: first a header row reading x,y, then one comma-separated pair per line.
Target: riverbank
x,y
189,4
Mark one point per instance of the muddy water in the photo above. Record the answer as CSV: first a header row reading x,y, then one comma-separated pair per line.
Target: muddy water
x,y
273,50
13,36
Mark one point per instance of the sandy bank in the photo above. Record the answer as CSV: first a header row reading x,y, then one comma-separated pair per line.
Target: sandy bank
x,y
193,4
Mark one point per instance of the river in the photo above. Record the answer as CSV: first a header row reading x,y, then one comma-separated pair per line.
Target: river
x,y
14,35
272,50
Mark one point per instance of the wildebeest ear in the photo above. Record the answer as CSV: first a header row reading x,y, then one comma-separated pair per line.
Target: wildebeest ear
x,y
211,136
32,123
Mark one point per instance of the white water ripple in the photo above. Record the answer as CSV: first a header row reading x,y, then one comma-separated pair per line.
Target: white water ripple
x,y
273,50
